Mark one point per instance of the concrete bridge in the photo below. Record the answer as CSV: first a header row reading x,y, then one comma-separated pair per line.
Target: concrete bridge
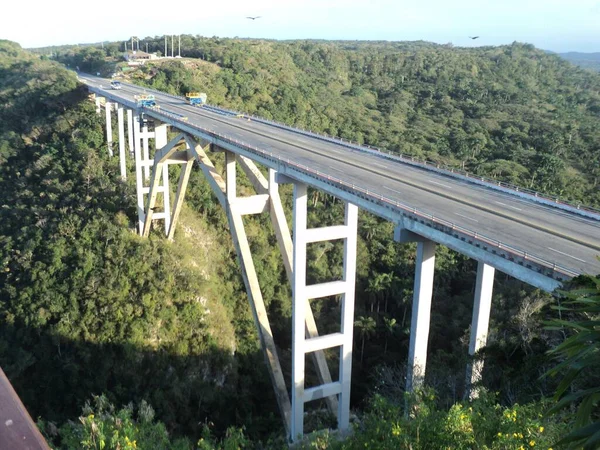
x,y
541,241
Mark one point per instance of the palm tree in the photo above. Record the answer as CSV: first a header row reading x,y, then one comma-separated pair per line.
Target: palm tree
x,y
390,329
366,328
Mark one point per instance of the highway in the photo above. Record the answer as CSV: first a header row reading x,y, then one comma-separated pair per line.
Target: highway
x,y
567,239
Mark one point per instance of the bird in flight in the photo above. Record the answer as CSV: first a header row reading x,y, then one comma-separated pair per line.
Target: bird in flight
x,y
253,18
473,37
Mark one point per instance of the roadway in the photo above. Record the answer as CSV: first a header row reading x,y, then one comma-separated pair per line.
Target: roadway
x,y
568,239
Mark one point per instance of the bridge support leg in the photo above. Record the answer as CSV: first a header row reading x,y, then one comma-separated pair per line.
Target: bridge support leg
x,y
122,161
164,156
480,324
235,207
181,188
139,180
109,137
302,293
146,151
284,240
160,140
130,132
97,100
421,312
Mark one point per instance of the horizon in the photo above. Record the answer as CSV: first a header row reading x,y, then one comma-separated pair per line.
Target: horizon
x,y
300,39
555,25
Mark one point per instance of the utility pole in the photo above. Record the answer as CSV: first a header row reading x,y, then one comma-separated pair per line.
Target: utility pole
x,y
172,48
166,50
180,46
146,47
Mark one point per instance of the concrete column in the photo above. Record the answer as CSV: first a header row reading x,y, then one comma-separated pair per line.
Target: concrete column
x,y
160,136
97,105
480,323
145,152
347,326
109,138
421,312
160,140
122,143
230,180
166,198
130,132
139,180
298,309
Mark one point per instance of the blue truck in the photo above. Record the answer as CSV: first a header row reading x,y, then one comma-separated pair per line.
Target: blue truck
x,y
145,100
196,98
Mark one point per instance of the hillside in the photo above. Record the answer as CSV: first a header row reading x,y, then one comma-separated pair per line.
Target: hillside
x,y
585,60
86,306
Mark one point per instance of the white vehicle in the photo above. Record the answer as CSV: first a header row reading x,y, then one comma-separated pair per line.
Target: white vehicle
x,y
115,84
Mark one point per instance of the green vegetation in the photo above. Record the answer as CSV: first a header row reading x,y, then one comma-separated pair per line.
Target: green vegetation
x,y
88,308
579,364
86,305
585,60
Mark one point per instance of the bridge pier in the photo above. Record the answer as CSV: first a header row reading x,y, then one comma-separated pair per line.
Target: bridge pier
x,y
421,311
121,123
130,133
421,306
302,293
480,324
109,136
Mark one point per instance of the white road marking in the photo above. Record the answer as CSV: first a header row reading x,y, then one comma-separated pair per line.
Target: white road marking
x,y
508,206
441,184
470,218
393,190
334,168
566,254
380,165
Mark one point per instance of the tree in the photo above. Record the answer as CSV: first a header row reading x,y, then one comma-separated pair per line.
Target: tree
x,y
390,329
366,327
579,357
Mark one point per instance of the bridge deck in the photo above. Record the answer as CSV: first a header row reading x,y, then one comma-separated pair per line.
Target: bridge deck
x,y
567,239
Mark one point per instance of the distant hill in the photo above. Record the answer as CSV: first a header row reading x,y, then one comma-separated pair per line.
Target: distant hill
x,y
585,60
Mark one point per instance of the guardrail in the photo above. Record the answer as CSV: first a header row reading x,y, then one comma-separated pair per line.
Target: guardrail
x,y
548,268
578,208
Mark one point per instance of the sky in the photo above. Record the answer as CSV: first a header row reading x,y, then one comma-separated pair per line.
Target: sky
x,y
558,25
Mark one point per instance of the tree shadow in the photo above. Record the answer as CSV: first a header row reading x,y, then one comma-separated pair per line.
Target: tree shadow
x,y
54,377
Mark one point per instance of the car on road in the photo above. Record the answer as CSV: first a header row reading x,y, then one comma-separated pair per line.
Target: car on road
x,y
115,84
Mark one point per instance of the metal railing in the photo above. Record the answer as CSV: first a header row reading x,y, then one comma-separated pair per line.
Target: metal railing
x,y
529,260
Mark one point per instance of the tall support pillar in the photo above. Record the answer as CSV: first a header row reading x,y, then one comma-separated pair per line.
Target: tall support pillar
x,y
347,327
302,293
122,161
109,137
160,140
421,312
139,180
298,309
235,208
145,151
130,132
480,323
97,99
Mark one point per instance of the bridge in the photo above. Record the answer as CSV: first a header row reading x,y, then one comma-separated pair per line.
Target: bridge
x,y
541,241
